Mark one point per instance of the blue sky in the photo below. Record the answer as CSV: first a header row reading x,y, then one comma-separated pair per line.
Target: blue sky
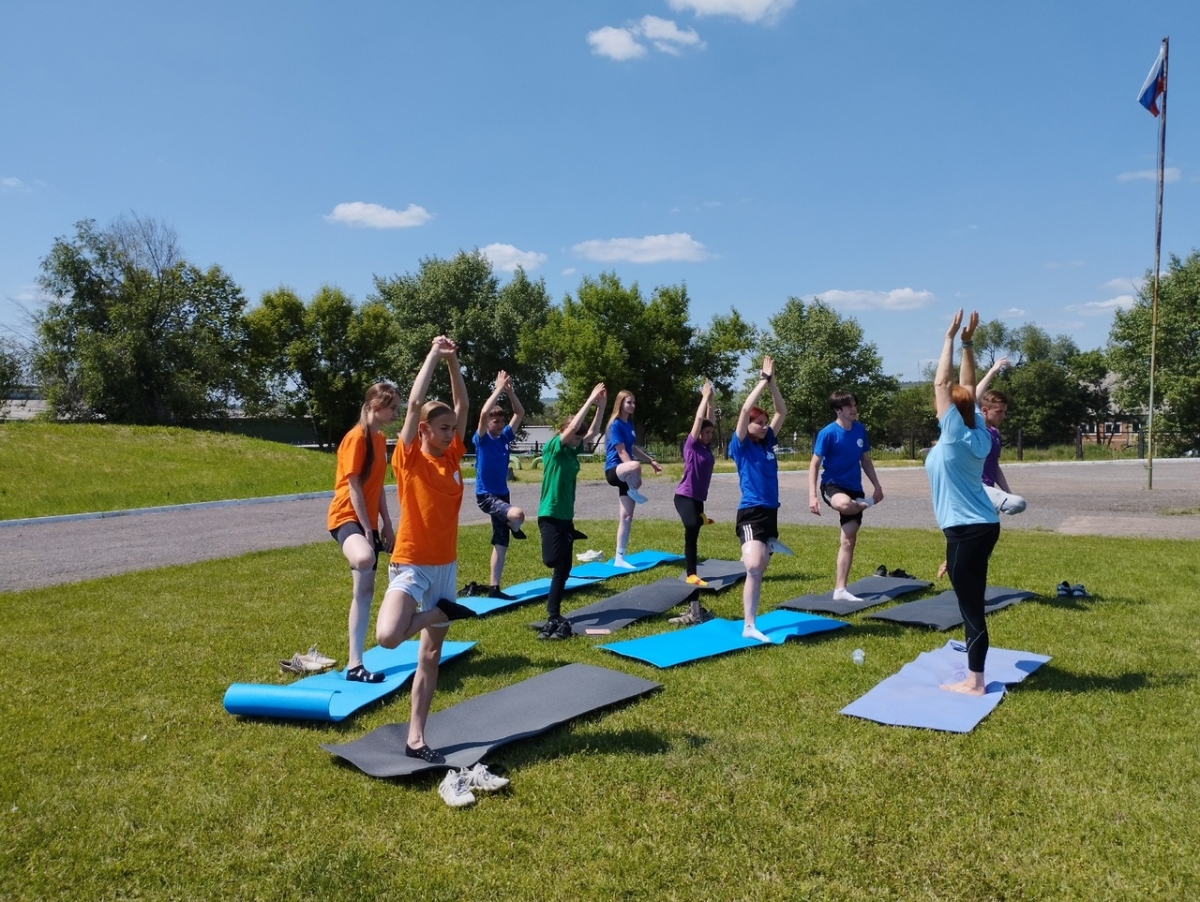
x,y
897,159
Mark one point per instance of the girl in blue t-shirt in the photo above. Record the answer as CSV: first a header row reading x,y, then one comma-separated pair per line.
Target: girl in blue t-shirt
x,y
752,448
623,468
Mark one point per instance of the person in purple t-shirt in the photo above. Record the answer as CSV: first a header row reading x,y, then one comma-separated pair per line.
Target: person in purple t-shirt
x,y
994,405
690,496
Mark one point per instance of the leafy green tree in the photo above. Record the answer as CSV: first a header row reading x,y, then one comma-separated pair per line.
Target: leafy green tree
x,y
1177,357
611,333
911,418
11,369
818,352
1047,403
318,359
496,327
133,333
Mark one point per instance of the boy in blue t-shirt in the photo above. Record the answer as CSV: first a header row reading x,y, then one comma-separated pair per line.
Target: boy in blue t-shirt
x,y
493,439
846,453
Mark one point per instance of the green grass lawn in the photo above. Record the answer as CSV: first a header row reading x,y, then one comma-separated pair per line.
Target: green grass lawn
x,y
122,777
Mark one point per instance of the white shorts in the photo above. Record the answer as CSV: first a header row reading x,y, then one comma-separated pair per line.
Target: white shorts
x,y
426,584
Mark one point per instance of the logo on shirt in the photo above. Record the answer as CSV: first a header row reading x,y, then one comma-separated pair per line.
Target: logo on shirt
x,y
860,443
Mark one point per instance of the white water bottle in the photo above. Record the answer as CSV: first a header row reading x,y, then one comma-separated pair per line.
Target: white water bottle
x,y
858,657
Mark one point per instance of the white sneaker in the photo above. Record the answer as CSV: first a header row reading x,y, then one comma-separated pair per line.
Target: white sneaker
x,y
454,790
619,561
777,547
637,496
844,595
315,657
590,555
479,777
753,632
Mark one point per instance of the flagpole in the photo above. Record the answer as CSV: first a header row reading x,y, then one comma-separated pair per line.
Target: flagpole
x,y
1162,152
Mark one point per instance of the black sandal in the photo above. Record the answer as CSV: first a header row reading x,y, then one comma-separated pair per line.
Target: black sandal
x,y
360,674
425,753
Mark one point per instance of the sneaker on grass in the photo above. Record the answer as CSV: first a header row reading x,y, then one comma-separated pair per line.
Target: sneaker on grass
x,y
455,791
479,777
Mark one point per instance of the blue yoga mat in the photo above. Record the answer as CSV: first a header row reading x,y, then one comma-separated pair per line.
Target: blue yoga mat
x,y
641,560
521,593
718,637
330,696
911,698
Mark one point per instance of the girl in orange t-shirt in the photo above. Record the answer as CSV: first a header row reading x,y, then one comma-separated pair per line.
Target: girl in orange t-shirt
x,y
423,572
358,504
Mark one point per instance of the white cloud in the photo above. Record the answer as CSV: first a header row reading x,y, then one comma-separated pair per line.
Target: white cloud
x,y
1125,285
1098,308
767,11
569,271
615,43
374,216
624,43
1170,174
896,299
1013,313
651,249
507,258
12,183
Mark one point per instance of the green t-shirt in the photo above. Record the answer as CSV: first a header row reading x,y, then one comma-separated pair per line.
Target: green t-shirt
x,y
560,467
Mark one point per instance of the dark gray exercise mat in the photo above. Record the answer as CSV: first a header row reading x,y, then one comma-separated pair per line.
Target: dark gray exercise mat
x,y
465,732
941,611
625,607
872,590
719,574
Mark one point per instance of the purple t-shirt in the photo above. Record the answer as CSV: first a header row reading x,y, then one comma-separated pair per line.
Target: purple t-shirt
x,y
697,470
991,465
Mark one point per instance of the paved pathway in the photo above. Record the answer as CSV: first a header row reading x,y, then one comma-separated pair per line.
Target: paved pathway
x,y
1107,499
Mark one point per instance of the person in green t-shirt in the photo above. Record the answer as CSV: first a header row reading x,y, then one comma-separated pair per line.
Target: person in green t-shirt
x,y
556,512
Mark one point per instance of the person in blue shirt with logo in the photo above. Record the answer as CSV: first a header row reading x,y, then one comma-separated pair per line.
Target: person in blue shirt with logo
x,y
752,449
846,453
623,468
964,512
493,441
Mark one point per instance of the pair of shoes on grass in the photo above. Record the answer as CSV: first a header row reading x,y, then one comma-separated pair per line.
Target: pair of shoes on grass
x,y
312,661
690,619
459,786
556,628
1066,590
882,570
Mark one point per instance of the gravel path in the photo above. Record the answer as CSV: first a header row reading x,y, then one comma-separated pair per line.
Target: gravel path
x,y
1104,499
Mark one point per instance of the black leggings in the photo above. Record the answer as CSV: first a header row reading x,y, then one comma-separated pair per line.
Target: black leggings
x,y
968,549
558,545
691,512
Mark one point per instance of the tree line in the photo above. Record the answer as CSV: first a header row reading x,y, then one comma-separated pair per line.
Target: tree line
x,y
132,332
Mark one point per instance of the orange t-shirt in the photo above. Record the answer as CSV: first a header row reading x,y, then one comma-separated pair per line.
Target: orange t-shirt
x,y
351,455
430,490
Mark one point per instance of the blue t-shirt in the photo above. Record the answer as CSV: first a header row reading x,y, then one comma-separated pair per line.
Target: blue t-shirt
x,y
491,462
955,467
758,471
620,432
841,452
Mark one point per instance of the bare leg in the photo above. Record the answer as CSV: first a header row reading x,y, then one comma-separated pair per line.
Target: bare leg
x,y
624,525
845,556
424,683
755,556
630,473
499,553
399,619
360,613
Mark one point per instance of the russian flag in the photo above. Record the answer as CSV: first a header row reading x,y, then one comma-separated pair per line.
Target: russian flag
x,y
1156,83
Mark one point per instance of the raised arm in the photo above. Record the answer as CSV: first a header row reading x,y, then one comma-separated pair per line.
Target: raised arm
x,y
596,429
776,395
966,366
704,411
458,394
982,387
518,409
441,347
481,428
751,402
597,397
943,378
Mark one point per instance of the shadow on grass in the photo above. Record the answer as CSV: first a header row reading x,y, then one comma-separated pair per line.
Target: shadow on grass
x,y
1052,679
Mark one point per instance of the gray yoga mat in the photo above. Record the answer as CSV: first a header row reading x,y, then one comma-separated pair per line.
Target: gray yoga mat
x,y
719,574
941,611
624,608
872,590
465,732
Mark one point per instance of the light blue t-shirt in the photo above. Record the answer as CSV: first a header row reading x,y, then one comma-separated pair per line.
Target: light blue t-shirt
x,y
758,471
620,432
841,452
491,462
955,468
